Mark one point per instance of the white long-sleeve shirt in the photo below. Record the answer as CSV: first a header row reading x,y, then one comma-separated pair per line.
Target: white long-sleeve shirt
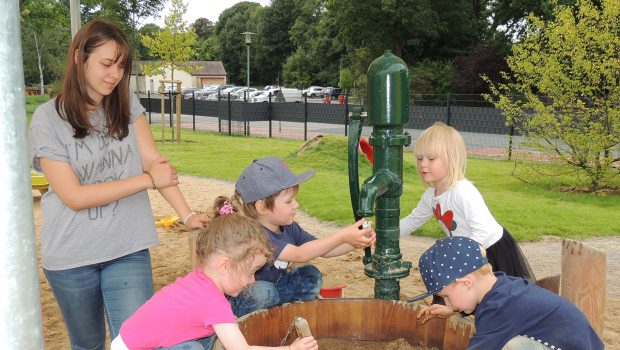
x,y
460,211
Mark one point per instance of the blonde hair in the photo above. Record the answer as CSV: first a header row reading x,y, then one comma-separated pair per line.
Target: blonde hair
x,y
236,235
485,269
249,209
444,142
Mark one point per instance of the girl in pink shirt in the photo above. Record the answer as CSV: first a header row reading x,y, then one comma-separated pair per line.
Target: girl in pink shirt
x,y
190,312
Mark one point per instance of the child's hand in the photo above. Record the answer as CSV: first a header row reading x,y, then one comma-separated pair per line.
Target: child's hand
x,y
359,238
305,343
197,221
436,310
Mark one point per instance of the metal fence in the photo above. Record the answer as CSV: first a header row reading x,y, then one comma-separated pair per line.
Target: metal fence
x,y
483,126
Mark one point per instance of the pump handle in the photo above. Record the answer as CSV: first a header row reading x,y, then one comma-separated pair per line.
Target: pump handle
x,y
355,132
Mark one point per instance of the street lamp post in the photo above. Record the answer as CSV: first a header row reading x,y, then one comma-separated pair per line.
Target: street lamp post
x,y
248,41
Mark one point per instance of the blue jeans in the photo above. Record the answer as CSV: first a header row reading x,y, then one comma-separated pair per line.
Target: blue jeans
x,y
524,343
300,284
117,288
200,344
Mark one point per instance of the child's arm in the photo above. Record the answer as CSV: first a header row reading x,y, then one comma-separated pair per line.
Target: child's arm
x,y
436,310
335,244
419,215
231,337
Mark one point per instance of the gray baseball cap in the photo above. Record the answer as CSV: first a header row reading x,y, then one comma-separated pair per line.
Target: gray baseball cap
x,y
267,176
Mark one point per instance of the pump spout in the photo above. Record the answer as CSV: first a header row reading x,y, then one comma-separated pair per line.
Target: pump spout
x,y
381,182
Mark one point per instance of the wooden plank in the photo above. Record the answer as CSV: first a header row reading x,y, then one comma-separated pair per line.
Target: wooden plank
x,y
584,277
550,283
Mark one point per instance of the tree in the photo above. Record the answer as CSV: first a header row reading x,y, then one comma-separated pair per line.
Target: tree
x,y
128,14
172,45
149,29
207,46
203,27
45,38
567,74
242,17
483,60
386,24
274,45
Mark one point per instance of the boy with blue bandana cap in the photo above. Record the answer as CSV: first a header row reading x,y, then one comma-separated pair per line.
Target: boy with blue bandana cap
x,y
511,313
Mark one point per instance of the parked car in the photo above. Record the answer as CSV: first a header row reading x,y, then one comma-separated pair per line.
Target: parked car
x,y
289,95
188,93
313,91
332,92
241,93
263,96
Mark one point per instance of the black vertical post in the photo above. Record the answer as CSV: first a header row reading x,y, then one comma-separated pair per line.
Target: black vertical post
x,y
346,113
170,104
449,114
269,114
229,116
306,117
193,111
512,132
149,104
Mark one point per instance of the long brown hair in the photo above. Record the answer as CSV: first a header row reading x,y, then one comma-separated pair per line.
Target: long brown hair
x,y
73,102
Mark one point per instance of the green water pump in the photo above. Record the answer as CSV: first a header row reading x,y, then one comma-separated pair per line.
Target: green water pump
x,y
388,113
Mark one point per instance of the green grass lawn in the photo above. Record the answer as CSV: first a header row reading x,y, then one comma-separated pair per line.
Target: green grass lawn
x,y
528,212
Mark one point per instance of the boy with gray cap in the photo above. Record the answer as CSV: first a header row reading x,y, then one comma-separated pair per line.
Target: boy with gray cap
x,y
511,313
267,190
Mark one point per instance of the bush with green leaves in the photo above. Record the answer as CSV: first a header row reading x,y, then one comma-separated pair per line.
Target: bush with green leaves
x,y
564,91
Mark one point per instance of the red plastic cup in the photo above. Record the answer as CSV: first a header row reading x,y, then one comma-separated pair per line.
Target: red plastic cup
x,y
333,292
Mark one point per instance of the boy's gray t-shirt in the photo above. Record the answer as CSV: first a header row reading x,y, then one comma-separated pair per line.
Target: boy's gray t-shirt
x,y
68,238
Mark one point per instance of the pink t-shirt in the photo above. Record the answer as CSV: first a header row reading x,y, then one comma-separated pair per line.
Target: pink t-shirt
x,y
184,310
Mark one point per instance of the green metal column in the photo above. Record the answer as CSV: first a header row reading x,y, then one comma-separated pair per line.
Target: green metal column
x,y
388,113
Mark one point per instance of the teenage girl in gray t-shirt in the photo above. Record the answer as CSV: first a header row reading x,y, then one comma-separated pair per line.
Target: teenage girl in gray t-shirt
x,y
95,147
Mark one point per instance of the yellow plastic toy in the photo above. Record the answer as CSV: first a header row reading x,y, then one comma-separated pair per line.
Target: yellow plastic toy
x,y
39,182
167,221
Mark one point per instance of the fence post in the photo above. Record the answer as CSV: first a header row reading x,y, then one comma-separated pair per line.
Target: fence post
x,y
193,111
306,116
229,116
346,113
148,103
269,114
449,114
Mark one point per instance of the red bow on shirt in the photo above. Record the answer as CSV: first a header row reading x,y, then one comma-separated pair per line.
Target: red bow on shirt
x,y
446,218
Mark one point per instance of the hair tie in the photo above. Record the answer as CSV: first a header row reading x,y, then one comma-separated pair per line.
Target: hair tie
x,y
226,209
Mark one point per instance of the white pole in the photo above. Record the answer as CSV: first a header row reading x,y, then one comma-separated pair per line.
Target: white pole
x,y
20,306
76,21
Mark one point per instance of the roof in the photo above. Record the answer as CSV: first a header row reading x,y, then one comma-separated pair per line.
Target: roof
x,y
204,68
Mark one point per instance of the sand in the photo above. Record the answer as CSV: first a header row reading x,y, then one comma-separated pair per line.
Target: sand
x,y
171,259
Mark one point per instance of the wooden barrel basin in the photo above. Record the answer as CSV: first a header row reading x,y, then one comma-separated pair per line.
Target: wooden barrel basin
x,y
357,319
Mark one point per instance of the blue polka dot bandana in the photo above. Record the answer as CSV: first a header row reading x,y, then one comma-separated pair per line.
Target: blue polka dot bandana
x,y
447,260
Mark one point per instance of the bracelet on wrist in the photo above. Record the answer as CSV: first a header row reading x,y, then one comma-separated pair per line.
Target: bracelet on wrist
x,y
152,180
191,213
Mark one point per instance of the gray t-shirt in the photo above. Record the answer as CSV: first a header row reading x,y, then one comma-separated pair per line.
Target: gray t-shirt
x,y
71,239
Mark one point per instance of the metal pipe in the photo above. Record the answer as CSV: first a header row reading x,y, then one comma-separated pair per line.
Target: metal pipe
x,y
76,21
20,308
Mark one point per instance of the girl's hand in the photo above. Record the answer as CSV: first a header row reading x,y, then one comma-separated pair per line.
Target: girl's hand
x,y
197,221
164,174
359,238
436,310
305,343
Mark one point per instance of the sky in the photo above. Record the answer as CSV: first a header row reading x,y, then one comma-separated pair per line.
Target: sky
x,y
209,9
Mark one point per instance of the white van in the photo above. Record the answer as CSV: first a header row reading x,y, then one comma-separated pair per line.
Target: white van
x,y
289,95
